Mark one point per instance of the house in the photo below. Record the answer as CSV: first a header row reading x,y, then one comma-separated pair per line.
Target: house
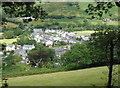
x,y
61,50
56,38
21,52
57,64
28,47
49,43
10,47
37,38
107,19
64,34
71,41
32,34
47,31
72,35
37,31
85,37
65,40
18,46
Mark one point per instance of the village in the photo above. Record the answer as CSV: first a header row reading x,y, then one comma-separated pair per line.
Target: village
x,y
59,40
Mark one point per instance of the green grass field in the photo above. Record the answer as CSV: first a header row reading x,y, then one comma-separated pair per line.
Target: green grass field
x,y
8,41
84,77
83,32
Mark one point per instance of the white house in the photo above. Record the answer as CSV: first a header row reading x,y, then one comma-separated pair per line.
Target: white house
x,y
10,47
21,52
38,38
47,31
56,38
37,31
49,43
28,47
64,34
85,37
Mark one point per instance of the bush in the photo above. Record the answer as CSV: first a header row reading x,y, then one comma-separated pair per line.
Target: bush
x,y
72,66
31,71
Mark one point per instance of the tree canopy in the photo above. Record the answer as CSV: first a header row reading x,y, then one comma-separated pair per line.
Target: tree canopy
x,y
40,55
101,8
24,9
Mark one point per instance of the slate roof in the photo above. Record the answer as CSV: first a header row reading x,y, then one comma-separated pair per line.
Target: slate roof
x,y
10,45
28,46
37,30
20,52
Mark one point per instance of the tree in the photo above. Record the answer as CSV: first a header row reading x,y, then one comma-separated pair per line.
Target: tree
x,y
8,34
21,26
18,31
78,55
25,40
40,56
104,37
11,60
24,9
107,43
101,8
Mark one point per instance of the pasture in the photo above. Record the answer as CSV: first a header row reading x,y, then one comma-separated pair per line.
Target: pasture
x,y
8,41
83,32
85,77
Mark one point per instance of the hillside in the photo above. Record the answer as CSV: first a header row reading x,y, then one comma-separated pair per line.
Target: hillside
x,y
72,9
85,77
61,14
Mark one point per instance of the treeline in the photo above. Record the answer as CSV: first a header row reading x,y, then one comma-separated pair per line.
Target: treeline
x,y
98,51
9,32
76,27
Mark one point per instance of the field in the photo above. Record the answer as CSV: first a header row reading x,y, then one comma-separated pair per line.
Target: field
x,y
9,24
8,41
83,32
85,77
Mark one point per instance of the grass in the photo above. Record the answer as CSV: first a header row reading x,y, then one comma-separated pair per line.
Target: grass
x,y
113,23
23,70
9,24
8,41
83,32
85,77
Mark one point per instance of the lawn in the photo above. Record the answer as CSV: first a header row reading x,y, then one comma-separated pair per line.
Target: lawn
x,y
85,77
8,41
84,32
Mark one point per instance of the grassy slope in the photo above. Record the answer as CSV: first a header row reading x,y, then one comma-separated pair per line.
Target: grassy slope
x,y
62,8
85,77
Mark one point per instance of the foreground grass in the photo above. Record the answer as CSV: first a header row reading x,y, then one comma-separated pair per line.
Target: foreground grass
x,y
85,77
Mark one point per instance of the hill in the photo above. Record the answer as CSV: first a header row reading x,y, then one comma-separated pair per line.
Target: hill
x,y
85,77
72,9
